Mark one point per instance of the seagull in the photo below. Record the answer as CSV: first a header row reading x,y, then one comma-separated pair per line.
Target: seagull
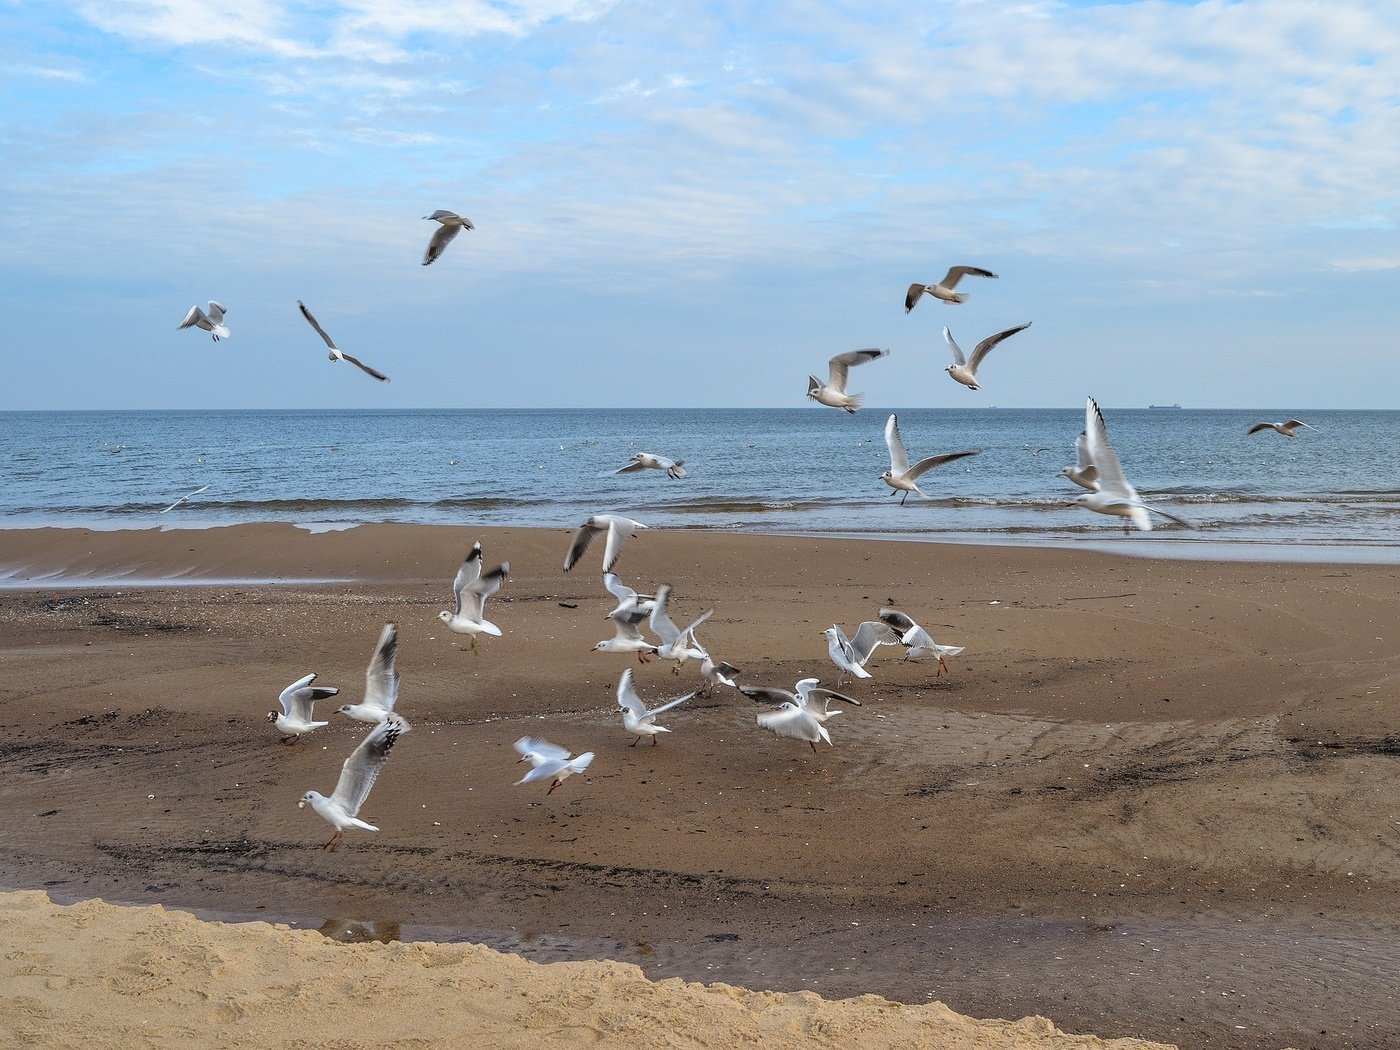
x,y
549,760
796,714
1115,495
472,587
833,393
1288,429
715,672
381,682
674,468
336,353
851,655
964,369
182,499
676,644
627,636
357,776
635,716
901,476
628,600
918,645
452,224
944,289
1083,473
297,700
618,529
212,322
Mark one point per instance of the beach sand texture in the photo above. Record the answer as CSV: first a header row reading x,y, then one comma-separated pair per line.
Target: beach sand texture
x,y
1153,798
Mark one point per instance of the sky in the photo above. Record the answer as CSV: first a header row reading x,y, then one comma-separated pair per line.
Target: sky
x,y
698,204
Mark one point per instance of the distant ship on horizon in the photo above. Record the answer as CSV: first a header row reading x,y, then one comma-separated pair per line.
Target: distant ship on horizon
x,y
1163,406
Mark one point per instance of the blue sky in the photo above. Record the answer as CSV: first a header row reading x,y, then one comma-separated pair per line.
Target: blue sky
x,y
699,204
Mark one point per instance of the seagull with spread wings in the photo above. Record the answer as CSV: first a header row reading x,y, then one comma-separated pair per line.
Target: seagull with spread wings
x,y
471,588
918,643
797,714
452,224
297,700
618,529
901,477
1115,494
1287,429
381,682
676,644
337,354
851,655
636,718
549,761
357,776
832,393
627,635
943,290
1083,473
212,322
964,369
674,468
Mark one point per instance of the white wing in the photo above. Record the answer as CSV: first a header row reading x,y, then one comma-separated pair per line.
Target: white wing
x,y
958,358
791,721
297,699
361,769
627,697
618,531
537,750
192,318
899,456
625,595
468,574
1101,454
473,598
840,365
983,348
216,312
661,623
1081,448
870,635
625,627
911,634
381,680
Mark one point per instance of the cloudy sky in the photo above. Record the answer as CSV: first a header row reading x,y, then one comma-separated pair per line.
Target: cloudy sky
x,y
698,204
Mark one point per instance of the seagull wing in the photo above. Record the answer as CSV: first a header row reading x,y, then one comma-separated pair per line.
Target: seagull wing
x,y
1298,423
791,721
910,633
625,625
475,595
1261,426
319,330
663,708
899,456
983,348
765,695
1083,462
871,634
362,768
618,531
537,749
381,680
913,295
627,697
442,237
366,369
297,699
957,273
841,363
192,318
827,695
661,623
1102,455
958,358
585,535
182,499
922,467
216,312
634,467
624,594
468,574
698,621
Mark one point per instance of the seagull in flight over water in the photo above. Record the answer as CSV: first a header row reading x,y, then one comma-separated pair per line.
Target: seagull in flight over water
x,y
619,529
1114,495
1288,429
901,476
337,354
674,468
964,369
943,290
832,393
357,776
452,224
212,322
182,499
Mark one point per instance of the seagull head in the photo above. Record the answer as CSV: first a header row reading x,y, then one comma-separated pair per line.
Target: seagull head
x,y
344,709
310,796
887,476
445,616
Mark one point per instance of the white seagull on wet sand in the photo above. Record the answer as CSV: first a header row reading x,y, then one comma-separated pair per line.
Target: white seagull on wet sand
x,y
943,290
182,499
851,655
1083,473
636,718
676,644
833,392
918,644
628,600
797,714
627,635
1115,495
452,224
337,354
381,682
619,529
212,322
674,468
297,700
1287,429
964,369
901,477
357,776
550,761
472,587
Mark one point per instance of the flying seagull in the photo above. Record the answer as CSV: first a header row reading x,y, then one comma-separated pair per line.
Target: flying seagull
x,y
471,588
676,644
381,682
851,655
1288,429
636,718
627,635
336,353
212,322
918,644
674,468
452,224
901,476
357,776
628,600
964,369
1115,495
549,761
297,700
833,392
182,499
619,529
1083,473
715,672
943,290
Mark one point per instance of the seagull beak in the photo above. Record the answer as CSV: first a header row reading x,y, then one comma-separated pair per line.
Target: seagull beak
x,y
301,803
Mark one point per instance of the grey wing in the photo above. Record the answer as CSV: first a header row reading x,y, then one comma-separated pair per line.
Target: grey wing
x,y
468,574
1252,430
869,635
476,593
1081,448
319,330
625,595
362,768
1101,452
191,319
625,625
727,670
841,363
627,697
216,312
304,699
381,679
1298,423
826,695
631,468
766,695
899,456
1169,516
958,358
366,369
896,619
442,237
582,539
442,213
913,295
661,623
922,467
983,348
957,273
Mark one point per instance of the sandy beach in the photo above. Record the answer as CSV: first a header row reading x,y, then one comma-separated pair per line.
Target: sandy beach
x,y
1153,800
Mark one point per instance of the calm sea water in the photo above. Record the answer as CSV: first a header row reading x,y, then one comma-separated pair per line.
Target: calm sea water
x,y
1334,492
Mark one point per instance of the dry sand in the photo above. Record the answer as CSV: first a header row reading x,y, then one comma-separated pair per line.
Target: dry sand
x,y
1154,799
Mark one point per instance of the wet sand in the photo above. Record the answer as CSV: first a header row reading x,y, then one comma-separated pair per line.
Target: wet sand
x,y
1154,799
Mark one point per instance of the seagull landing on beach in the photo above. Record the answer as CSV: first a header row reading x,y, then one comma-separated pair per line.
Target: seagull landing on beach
x,y
851,655
635,716
833,392
297,700
1115,495
357,776
627,635
676,644
212,322
336,353
918,644
471,588
619,529
381,682
715,672
452,224
964,369
943,290
1083,473
797,714
550,761
182,499
901,477
1288,429
674,468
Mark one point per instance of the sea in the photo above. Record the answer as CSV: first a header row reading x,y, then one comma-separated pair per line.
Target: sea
x,y
1331,494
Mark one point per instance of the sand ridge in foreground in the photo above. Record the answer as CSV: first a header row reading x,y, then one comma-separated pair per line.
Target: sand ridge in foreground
x,y
103,975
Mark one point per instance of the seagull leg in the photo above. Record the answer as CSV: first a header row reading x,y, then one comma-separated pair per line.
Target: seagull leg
x,y
335,840
632,744
290,739
904,499
473,643
813,745
558,782
655,740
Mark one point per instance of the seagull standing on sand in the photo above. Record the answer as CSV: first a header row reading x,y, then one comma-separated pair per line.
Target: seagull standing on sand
x,y
851,655
1115,495
1288,429
918,644
472,587
297,700
212,322
964,369
901,476
182,499
943,290
381,682
635,716
1083,473
833,392
627,635
797,715
452,224
619,529
357,776
549,761
674,468
336,353
676,644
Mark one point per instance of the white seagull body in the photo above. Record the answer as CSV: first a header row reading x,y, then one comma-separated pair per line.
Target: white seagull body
x,y
627,636
1083,473
357,776
851,655
636,718
549,761
1115,495
674,468
452,224
918,644
676,644
797,714
943,290
1288,429
297,700
618,529
381,682
964,369
901,477
832,393
336,353
471,588
212,322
